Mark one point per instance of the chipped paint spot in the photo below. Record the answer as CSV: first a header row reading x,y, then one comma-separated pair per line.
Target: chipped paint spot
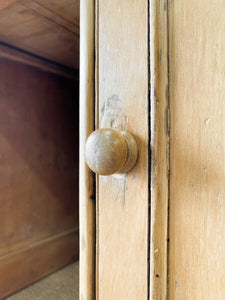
x,y
167,92
165,6
195,185
160,56
118,183
167,121
114,116
206,122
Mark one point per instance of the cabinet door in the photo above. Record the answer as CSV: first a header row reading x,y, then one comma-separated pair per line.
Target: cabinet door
x,y
123,240
197,143
183,93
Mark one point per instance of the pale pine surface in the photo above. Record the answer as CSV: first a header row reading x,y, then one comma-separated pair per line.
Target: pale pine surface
x,y
197,175
122,211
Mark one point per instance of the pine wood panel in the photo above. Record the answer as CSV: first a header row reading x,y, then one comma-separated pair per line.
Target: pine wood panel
x,y
6,3
38,156
45,31
197,194
24,266
68,9
122,204
51,14
16,55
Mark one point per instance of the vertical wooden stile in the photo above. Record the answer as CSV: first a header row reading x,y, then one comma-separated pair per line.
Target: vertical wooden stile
x,y
86,193
123,202
159,148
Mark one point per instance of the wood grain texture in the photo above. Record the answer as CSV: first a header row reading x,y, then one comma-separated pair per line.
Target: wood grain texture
x,y
68,9
29,59
24,266
197,194
51,15
41,31
6,3
122,213
86,178
38,156
159,149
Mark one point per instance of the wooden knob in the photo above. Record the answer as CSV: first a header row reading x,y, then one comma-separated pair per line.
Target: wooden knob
x,y
108,151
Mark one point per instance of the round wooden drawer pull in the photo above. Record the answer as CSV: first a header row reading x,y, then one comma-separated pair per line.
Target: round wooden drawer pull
x,y
109,151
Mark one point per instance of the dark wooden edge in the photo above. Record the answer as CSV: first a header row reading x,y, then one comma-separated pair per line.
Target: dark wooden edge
x,y
19,55
25,266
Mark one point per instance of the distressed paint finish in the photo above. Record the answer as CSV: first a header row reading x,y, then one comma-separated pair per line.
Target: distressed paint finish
x,y
197,194
122,214
159,149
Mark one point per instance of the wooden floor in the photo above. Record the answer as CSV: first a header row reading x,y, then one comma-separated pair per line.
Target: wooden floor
x,y
61,285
